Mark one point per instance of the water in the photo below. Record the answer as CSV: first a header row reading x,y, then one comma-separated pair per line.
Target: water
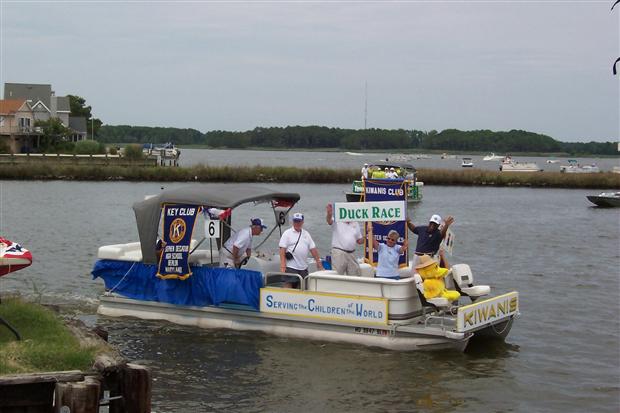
x,y
355,160
560,252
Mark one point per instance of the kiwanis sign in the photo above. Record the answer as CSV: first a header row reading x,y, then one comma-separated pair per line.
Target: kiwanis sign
x,y
483,313
378,211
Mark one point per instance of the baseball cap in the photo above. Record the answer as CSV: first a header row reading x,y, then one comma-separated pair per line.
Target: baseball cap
x,y
258,221
436,219
298,216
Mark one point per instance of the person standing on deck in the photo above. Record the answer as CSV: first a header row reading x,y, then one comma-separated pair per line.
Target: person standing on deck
x,y
365,171
429,236
295,245
345,237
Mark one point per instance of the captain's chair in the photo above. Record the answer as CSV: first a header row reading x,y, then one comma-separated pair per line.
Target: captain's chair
x,y
464,280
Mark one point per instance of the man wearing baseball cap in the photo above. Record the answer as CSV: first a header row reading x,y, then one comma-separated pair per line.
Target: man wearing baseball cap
x,y
295,244
430,236
231,253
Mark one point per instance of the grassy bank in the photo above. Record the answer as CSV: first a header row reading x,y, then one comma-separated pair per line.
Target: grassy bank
x,y
203,173
46,345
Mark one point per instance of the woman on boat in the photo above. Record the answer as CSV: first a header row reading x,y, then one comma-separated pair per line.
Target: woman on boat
x,y
389,254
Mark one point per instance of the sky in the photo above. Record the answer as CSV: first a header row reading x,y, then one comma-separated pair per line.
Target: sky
x,y
541,66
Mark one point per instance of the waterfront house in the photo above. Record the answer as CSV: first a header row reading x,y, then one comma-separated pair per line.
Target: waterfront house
x,y
41,104
17,130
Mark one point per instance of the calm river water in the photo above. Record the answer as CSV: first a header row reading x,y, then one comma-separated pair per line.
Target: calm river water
x,y
552,245
355,160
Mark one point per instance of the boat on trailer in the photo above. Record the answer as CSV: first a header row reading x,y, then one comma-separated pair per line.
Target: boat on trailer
x,y
326,306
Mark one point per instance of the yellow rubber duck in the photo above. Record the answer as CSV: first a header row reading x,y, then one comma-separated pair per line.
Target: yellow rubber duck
x,y
433,276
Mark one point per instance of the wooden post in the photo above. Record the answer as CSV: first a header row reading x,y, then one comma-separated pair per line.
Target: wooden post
x,y
135,387
80,397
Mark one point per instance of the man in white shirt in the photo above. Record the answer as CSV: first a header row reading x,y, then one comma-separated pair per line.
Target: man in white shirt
x,y
240,243
345,237
295,244
365,171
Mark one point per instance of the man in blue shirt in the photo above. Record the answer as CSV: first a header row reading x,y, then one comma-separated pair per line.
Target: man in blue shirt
x,y
430,236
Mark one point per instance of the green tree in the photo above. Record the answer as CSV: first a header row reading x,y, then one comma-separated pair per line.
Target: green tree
x,y
79,108
54,133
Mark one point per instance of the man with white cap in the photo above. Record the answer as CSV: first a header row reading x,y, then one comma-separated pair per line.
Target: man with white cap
x,y
430,236
365,171
295,244
345,237
231,253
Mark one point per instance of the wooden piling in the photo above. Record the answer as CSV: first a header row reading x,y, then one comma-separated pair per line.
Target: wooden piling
x,y
78,397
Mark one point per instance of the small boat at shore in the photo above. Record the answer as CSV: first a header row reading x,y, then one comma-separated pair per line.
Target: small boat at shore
x,y
606,199
492,157
327,306
467,163
508,165
13,257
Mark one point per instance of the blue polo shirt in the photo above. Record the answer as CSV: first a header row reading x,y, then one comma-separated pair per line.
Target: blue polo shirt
x,y
427,243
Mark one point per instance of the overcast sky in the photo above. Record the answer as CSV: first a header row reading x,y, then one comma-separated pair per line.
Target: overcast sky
x,y
542,66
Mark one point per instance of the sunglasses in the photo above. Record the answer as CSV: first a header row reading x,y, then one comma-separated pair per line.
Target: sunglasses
x,y
392,239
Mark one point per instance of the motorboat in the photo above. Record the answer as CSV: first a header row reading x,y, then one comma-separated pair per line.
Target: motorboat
x,y
553,161
492,157
447,156
606,199
326,306
575,167
167,150
467,163
509,165
13,257
376,170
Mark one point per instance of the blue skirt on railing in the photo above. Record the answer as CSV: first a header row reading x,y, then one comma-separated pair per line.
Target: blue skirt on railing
x,y
206,285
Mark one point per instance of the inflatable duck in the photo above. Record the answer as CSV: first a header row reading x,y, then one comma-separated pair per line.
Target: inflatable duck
x,y
433,276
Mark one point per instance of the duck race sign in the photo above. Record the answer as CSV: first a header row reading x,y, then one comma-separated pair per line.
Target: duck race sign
x,y
378,211
326,306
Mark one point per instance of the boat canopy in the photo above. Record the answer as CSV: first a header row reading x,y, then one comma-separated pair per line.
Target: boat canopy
x,y
148,212
406,166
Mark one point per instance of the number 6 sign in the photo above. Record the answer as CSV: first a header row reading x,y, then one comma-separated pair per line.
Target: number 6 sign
x,y
212,228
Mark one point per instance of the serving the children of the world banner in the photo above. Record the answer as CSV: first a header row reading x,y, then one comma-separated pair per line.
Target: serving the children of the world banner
x,y
178,228
386,190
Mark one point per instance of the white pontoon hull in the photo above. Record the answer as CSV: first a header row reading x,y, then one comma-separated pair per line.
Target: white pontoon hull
x,y
392,337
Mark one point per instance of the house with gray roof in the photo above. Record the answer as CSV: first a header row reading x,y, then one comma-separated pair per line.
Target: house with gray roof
x,y
43,100
39,103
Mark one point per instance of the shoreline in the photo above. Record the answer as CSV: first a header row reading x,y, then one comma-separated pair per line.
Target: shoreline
x,y
262,174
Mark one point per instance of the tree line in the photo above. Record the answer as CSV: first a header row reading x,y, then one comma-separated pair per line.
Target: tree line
x,y
320,137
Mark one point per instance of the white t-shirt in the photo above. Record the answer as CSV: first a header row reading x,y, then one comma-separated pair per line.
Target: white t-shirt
x,y
300,255
345,235
242,239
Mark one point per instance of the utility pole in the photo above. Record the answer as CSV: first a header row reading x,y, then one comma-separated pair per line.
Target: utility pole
x,y
365,103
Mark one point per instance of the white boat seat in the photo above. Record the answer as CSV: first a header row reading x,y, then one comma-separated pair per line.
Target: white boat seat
x,y
464,279
439,302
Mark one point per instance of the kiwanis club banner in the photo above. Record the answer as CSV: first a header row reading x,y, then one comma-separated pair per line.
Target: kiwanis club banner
x,y
386,190
178,228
